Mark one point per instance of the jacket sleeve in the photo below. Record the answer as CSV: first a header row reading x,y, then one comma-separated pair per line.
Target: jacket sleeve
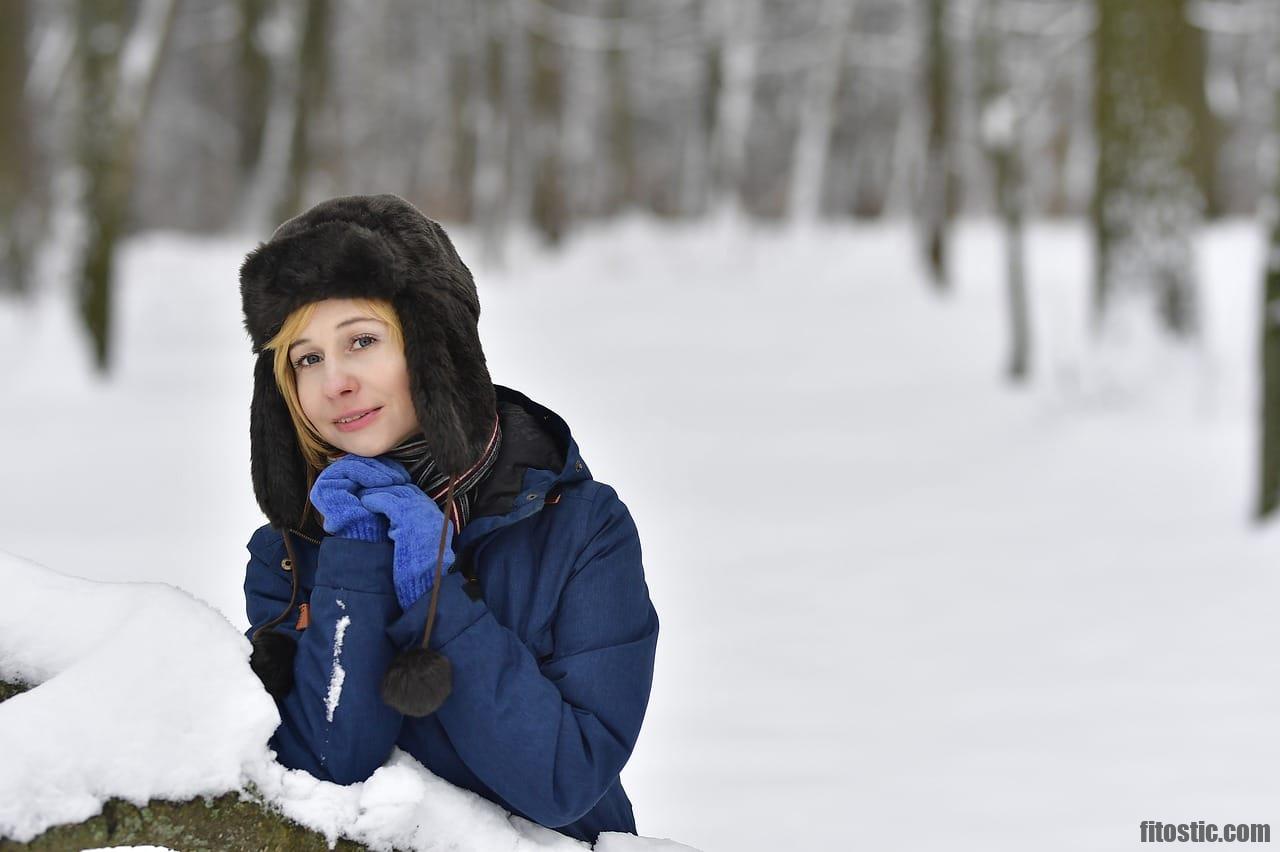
x,y
333,723
550,737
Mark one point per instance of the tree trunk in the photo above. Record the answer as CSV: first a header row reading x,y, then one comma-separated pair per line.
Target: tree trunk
x,y
550,212
114,103
1269,451
99,38
16,154
735,101
1269,486
1002,131
463,89
813,140
620,125
936,200
490,128
253,81
1146,203
1011,189
313,82
515,91
1187,70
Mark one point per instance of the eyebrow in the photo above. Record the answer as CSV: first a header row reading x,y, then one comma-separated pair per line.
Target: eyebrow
x,y
345,322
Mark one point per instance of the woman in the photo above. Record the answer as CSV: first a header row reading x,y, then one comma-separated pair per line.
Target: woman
x,y
440,571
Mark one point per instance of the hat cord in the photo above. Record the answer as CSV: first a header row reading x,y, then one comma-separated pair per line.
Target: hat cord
x,y
435,586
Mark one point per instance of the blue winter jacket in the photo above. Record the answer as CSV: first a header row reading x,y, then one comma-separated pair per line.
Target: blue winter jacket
x,y
552,662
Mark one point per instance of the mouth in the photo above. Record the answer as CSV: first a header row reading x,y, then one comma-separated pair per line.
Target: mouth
x,y
359,422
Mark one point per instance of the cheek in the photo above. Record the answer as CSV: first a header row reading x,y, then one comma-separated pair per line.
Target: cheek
x,y
404,400
400,381
307,398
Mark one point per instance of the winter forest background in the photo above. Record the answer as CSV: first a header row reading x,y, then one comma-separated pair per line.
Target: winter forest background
x,y
935,348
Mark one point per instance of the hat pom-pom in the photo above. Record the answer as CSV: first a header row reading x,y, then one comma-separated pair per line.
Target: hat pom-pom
x,y
418,682
272,661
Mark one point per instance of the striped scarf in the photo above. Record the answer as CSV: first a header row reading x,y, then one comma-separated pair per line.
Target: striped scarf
x,y
416,457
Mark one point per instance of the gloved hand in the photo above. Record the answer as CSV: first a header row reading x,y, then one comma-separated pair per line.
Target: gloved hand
x,y
416,524
336,489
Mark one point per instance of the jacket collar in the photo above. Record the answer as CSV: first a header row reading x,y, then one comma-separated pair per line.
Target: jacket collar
x,y
540,458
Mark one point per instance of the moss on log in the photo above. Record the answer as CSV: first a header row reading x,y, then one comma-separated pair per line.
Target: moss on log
x,y
228,822
8,690
213,825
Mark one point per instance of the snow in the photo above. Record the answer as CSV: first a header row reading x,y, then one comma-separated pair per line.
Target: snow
x,y
144,693
895,590
339,674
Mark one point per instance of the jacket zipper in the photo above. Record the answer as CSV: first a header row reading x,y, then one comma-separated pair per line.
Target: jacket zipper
x,y
303,535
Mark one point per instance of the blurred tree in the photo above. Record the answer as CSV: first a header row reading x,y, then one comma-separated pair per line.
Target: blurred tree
x,y
937,193
1269,454
619,127
310,94
1189,71
813,137
491,129
1003,114
549,209
688,35
582,34
466,87
1146,199
253,86
119,65
738,22
515,89
16,154
588,106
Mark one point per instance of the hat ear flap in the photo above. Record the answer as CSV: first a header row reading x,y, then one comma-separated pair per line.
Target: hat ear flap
x,y
452,393
279,471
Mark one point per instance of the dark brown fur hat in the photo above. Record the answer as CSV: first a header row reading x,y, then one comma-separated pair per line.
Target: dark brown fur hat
x,y
367,246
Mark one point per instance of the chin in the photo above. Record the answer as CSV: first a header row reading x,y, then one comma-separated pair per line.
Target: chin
x,y
368,446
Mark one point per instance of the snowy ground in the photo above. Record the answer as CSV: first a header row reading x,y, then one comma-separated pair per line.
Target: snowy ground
x,y
903,606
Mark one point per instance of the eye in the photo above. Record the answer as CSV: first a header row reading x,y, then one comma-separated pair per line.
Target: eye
x,y
303,363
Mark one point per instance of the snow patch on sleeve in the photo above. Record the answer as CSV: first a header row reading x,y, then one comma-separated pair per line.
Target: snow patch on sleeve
x,y
339,674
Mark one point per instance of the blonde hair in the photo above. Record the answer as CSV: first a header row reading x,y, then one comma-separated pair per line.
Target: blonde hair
x,y
315,450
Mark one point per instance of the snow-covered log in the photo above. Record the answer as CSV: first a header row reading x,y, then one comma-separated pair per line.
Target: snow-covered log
x,y
144,724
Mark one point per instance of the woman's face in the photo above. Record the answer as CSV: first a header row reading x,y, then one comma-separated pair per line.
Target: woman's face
x,y
346,363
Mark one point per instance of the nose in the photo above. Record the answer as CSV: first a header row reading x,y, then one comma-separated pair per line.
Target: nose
x,y
338,379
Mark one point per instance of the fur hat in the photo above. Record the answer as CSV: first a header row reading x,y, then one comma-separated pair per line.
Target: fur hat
x,y
374,246
367,246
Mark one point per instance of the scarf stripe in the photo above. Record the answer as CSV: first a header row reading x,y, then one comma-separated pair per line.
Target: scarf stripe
x,y
416,457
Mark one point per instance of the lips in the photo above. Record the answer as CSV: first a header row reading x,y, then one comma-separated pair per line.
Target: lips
x,y
352,415
369,416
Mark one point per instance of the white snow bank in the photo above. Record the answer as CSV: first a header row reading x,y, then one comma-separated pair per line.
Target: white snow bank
x,y
146,693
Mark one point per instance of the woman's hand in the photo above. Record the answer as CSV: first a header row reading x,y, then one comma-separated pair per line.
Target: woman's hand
x,y
336,495
416,524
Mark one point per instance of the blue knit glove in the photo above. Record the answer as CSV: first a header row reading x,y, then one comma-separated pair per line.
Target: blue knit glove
x,y
416,523
336,495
